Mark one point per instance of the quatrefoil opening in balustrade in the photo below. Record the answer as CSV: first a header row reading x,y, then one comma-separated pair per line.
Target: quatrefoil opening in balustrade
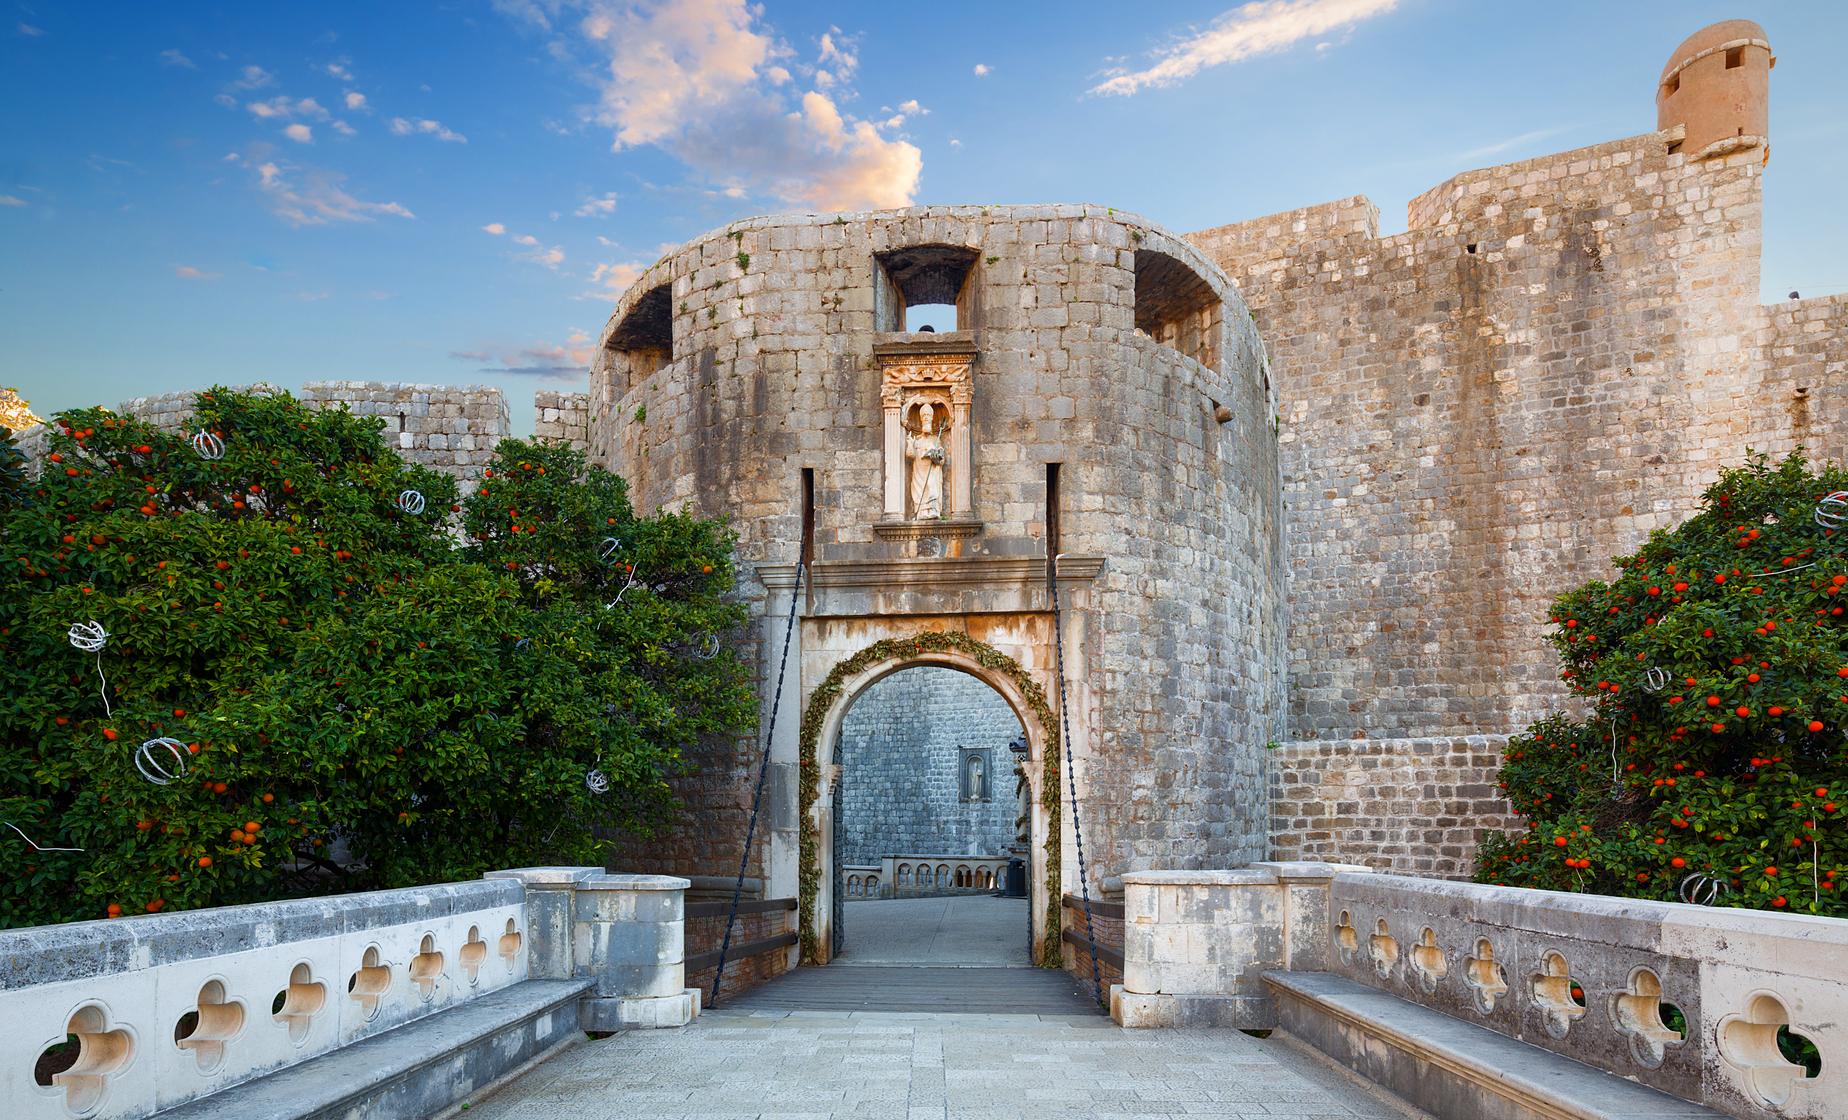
x,y
427,968
296,1005
1487,980
83,1063
1383,947
474,951
1347,942
510,944
1558,997
1428,961
214,1021
1771,1058
369,984
1651,1025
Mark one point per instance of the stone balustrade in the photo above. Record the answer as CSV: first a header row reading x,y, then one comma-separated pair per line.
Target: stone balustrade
x,y
132,1017
899,876
1687,1000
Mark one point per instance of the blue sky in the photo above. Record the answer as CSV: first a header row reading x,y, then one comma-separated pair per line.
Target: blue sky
x,y
456,193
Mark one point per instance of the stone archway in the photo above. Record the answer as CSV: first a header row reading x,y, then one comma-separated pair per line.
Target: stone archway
x,y
821,720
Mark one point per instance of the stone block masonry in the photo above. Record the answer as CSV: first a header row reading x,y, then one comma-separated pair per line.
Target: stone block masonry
x,y
902,789
562,417
1412,806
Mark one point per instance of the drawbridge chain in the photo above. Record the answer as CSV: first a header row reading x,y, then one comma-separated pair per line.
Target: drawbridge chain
x,y
1071,775
763,770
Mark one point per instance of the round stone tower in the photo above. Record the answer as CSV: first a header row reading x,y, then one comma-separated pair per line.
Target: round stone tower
x,y
1717,85
1095,389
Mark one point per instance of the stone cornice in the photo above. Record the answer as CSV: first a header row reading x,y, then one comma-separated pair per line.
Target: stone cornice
x,y
927,574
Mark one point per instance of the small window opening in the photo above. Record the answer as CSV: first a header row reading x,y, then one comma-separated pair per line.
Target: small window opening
x,y
926,289
1176,307
1675,148
1471,246
1052,521
645,337
1673,84
400,421
808,514
1735,58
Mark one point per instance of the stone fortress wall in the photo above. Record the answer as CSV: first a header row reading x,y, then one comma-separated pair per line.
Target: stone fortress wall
x,y
1554,359
1100,343
902,787
447,427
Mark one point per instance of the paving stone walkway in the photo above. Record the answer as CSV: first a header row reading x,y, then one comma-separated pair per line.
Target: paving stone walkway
x,y
813,1065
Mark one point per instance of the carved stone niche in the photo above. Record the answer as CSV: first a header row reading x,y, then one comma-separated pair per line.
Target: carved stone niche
x,y
925,387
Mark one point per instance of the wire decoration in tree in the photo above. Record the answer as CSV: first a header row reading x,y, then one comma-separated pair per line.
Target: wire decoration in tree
x,y
708,648
34,844
1700,890
630,582
596,781
90,637
607,549
208,445
411,502
1832,510
1655,679
156,769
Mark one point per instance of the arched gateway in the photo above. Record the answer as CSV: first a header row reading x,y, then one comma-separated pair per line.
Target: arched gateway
x,y
1103,399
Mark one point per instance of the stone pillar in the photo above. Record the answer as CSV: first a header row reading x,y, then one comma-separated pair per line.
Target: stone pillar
x,y
962,473
894,462
1196,944
629,933
549,892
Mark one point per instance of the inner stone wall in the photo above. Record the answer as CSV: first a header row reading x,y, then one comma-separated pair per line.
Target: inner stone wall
x,y
901,756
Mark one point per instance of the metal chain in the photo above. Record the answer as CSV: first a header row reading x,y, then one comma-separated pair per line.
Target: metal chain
x,y
1071,778
763,772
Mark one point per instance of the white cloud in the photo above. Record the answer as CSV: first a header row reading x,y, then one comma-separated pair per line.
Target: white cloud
x,y
307,196
1245,32
706,80
188,272
982,70
494,228
525,239
549,257
402,127
12,200
597,207
955,143
300,133
568,359
912,107
613,279
355,101
283,108
175,58
30,31
253,77
345,129
338,69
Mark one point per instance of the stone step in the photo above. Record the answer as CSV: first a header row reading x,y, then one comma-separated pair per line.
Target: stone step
x,y
412,1071
1452,1069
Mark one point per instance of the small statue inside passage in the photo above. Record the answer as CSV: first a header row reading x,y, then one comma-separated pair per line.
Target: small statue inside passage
x,y
925,430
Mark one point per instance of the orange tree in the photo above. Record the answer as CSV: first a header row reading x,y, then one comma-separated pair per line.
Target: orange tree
x,y
353,700
1712,759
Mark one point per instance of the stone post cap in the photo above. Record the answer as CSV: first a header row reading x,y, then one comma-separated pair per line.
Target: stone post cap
x,y
1310,869
624,882
547,876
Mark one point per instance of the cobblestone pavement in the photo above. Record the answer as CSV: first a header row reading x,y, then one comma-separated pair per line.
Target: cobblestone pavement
x,y
741,1065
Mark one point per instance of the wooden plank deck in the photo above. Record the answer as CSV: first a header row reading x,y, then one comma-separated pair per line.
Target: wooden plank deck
x,y
943,991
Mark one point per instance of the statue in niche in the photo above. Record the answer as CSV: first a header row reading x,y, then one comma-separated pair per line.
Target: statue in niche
x,y
927,424
975,777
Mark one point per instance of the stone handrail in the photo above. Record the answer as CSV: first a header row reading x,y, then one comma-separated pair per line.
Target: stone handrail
x,y
1688,1000
169,1008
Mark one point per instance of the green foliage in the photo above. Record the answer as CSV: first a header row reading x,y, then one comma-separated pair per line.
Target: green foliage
x,y
1716,669
363,702
13,483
